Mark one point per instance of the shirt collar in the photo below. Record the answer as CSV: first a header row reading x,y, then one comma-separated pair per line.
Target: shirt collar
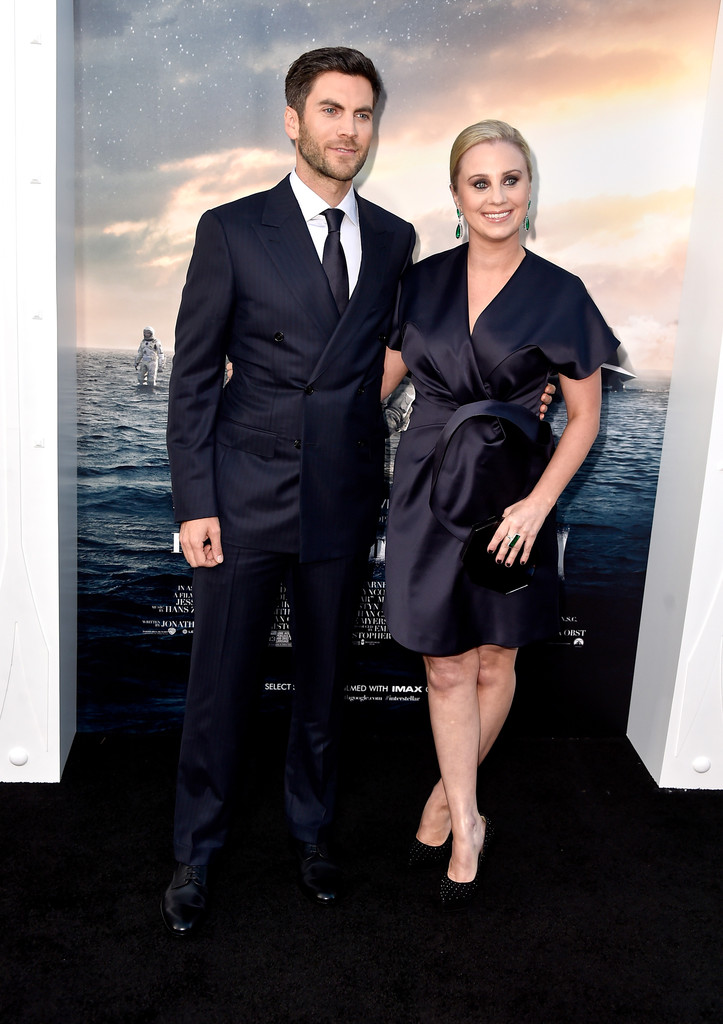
x,y
313,205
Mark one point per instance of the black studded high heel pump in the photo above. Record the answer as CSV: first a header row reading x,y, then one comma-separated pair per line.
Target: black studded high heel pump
x,y
455,895
423,856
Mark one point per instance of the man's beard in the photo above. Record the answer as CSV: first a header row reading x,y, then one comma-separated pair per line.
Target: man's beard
x,y
314,156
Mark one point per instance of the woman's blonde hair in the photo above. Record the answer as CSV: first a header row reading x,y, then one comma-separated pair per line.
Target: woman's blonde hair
x,y
486,131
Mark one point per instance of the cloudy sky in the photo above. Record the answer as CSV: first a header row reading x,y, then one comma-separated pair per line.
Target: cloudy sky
x,y
180,107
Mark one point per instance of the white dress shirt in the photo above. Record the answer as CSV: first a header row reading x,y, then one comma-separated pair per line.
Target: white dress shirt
x,y
312,210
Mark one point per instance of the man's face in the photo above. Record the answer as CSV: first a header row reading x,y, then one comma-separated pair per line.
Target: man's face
x,y
333,137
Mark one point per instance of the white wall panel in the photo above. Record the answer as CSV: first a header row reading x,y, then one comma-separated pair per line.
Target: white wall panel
x,y
37,423
676,713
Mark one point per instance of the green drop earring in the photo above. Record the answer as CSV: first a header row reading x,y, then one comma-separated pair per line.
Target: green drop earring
x,y
458,232
527,215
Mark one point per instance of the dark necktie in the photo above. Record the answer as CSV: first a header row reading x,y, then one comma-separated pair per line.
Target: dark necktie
x,y
333,260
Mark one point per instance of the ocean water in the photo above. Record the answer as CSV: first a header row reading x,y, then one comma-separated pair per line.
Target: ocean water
x,y
124,492
135,607
609,504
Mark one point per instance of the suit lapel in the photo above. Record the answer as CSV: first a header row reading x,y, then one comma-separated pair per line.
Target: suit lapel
x,y
284,234
376,244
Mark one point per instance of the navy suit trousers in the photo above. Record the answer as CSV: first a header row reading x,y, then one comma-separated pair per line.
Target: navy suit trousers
x,y
234,607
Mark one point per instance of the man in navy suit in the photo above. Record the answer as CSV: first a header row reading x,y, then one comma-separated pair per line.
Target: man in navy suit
x,y
278,476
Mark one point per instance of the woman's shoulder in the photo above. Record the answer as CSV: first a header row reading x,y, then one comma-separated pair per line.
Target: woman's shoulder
x,y
437,259
426,283
548,273
437,263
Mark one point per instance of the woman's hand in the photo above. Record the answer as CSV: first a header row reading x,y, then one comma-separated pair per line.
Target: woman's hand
x,y
546,398
394,371
518,530
523,520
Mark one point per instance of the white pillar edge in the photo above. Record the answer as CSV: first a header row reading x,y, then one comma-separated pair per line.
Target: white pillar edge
x,y
38,435
676,711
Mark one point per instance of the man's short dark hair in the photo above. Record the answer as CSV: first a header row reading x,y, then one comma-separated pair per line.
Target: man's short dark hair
x,y
306,69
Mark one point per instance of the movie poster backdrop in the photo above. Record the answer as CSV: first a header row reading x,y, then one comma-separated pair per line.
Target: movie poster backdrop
x,y
180,108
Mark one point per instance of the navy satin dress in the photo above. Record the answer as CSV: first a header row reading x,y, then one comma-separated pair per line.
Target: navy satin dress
x,y
543,320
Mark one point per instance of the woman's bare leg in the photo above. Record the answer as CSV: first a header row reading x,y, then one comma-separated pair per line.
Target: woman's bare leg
x,y
469,699
434,826
495,690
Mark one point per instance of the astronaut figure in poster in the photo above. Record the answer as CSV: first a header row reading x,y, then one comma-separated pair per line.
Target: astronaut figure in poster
x,y
149,358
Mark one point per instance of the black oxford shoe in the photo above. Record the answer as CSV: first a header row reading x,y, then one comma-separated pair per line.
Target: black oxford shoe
x,y
184,901
319,878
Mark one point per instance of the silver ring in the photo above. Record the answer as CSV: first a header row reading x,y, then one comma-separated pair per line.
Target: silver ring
x,y
512,540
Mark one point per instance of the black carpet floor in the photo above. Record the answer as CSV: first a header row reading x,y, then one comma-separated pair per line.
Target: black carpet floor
x,y
601,897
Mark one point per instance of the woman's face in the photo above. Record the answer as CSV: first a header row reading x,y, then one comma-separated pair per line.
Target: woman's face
x,y
493,190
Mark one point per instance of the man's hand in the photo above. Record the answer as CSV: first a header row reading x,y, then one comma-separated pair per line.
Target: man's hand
x,y
546,398
201,542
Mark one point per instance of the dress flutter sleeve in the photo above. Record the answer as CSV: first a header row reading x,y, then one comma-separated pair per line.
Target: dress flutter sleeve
x,y
580,340
396,335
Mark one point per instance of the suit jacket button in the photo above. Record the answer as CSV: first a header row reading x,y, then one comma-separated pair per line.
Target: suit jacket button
x,y
383,337
297,443
360,444
309,390
360,391
279,336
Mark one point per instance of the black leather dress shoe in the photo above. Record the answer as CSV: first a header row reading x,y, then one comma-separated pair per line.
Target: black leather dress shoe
x,y
184,901
319,878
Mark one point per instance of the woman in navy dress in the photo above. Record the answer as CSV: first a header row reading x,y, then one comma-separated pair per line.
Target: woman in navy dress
x,y
486,321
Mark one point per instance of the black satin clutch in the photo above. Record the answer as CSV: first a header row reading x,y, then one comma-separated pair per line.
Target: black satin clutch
x,y
481,566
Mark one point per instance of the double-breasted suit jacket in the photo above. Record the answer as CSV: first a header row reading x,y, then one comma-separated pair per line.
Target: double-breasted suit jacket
x,y
290,454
